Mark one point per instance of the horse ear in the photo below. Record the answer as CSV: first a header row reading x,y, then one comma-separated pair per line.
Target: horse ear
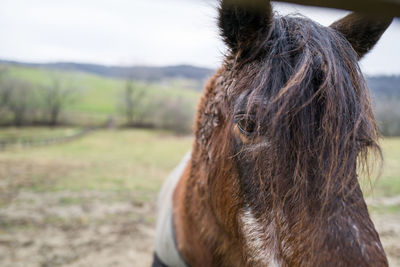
x,y
362,31
241,21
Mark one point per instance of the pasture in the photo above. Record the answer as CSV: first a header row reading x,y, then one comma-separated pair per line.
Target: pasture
x,y
91,202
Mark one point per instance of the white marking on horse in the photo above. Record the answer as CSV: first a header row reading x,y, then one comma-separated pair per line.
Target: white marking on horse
x,y
260,240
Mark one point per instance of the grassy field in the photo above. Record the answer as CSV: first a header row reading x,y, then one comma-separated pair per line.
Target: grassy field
x,y
91,202
124,160
389,184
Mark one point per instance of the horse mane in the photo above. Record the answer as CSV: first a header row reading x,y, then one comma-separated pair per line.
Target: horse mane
x,y
304,87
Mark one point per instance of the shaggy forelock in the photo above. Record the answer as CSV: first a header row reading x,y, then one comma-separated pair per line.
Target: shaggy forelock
x,y
306,92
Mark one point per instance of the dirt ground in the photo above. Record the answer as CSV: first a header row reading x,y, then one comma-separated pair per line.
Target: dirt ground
x,y
76,229
101,229
389,230
388,226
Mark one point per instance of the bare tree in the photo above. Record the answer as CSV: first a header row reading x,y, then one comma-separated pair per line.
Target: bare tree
x,y
4,90
129,102
176,114
387,111
133,106
55,97
17,97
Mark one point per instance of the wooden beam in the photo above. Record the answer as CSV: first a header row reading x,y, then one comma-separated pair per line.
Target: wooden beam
x,y
373,7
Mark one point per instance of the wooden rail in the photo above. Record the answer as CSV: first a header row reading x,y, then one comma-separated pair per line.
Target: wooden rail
x,y
373,7
5,144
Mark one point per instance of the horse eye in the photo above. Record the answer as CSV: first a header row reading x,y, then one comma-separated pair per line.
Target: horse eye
x,y
245,125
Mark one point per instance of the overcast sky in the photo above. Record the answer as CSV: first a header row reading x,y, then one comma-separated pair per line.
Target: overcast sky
x,y
142,32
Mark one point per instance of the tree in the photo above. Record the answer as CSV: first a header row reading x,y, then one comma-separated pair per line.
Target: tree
x,y
174,113
4,90
17,97
387,111
55,97
129,102
133,104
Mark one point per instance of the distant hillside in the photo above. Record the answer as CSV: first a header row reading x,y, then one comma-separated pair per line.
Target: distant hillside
x,y
133,72
384,86
381,86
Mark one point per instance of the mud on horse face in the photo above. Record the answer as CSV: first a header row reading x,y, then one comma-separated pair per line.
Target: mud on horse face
x,y
280,132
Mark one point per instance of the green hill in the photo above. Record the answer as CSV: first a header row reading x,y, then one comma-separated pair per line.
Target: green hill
x,y
98,98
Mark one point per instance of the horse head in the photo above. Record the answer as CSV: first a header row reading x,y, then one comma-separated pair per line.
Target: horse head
x,y
282,130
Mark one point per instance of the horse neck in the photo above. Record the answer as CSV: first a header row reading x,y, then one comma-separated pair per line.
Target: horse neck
x,y
206,208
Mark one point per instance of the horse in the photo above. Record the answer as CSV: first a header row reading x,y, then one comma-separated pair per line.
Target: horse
x,y
283,130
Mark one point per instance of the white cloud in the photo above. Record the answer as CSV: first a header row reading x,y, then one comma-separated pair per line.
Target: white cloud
x,y
160,32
